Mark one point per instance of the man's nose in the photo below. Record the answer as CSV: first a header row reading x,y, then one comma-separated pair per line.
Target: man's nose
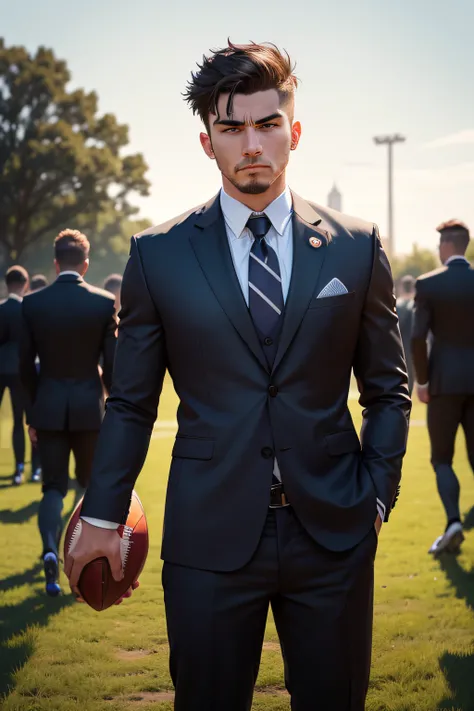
x,y
252,144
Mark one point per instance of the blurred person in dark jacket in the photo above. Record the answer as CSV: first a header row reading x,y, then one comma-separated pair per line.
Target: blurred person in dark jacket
x,y
405,303
444,307
69,325
16,280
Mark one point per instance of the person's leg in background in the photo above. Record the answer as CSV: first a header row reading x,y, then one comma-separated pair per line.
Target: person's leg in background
x,y
35,464
468,427
445,413
83,447
54,450
13,383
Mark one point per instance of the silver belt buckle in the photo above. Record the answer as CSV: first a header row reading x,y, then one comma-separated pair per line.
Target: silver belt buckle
x,y
285,501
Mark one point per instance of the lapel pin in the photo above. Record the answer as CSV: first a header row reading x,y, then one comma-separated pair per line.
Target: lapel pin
x,y
315,242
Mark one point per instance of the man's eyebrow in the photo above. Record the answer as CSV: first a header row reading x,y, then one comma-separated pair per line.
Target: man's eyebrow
x,y
231,123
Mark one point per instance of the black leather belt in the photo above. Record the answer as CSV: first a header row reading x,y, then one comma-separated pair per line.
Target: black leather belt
x,y
278,498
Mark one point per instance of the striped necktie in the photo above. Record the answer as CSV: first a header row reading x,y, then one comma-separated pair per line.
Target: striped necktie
x,y
265,292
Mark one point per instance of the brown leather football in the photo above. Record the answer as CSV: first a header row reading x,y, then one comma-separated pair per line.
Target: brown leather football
x,y
96,584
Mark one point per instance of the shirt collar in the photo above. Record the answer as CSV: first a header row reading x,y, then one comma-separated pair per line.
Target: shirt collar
x,y
456,256
15,297
70,272
236,214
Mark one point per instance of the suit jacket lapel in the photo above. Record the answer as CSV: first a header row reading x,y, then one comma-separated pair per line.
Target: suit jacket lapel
x,y
210,244
307,263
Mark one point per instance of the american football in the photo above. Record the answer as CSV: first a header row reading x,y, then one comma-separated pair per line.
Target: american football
x,y
96,584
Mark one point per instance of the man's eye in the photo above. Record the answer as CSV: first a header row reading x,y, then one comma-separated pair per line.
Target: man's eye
x,y
233,129
268,125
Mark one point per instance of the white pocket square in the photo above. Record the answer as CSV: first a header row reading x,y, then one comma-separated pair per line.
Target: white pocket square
x,y
334,288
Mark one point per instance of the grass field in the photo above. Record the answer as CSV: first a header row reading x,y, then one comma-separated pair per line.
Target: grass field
x,y
56,654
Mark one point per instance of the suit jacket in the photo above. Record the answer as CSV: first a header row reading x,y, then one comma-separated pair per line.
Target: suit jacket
x,y
70,325
10,331
405,317
444,305
183,309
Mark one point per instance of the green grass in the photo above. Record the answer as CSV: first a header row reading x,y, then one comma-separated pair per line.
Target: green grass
x,y
56,654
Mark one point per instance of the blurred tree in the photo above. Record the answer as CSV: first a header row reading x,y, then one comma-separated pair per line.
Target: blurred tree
x,y
419,261
60,163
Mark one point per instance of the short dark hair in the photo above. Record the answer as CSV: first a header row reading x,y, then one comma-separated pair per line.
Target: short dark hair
x,y
113,282
38,281
71,248
16,276
242,69
407,283
456,232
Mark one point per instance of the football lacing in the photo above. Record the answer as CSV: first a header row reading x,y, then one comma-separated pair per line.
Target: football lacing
x,y
125,544
75,535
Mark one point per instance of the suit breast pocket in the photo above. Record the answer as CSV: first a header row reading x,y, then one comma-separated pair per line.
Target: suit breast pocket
x,y
329,301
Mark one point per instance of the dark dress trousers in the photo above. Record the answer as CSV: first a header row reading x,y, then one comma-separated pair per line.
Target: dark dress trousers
x,y
70,325
10,330
444,305
227,556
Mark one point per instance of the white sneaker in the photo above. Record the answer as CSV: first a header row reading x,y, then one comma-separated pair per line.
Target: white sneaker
x,y
450,541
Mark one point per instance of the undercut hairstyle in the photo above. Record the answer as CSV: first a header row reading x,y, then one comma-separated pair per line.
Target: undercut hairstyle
x,y
71,249
113,283
456,232
239,69
407,283
38,281
16,276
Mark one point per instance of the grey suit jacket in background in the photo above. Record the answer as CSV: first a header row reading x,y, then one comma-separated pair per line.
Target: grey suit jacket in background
x,y
183,309
10,332
444,305
70,325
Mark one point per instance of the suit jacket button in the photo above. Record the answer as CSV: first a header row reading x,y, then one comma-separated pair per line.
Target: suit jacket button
x,y
268,341
273,390
267,452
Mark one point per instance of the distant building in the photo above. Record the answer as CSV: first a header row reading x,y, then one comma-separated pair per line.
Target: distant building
x,y
335,199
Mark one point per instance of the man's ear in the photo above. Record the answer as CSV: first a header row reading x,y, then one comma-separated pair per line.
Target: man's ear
x,y
295,135
207,145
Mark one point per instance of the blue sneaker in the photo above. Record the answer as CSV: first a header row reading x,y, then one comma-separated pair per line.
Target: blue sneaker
x,y
18,475
51,571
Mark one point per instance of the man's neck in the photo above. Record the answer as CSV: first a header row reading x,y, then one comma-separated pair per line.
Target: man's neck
x,y
257,203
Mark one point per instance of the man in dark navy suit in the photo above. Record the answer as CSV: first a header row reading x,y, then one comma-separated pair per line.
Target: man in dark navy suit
x,y
16,280
69,326
444,308
259,304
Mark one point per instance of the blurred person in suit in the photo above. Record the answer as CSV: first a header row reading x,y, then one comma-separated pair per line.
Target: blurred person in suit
x,y
69,326
444,306
259,303
17,282
37,282
405,318
113,283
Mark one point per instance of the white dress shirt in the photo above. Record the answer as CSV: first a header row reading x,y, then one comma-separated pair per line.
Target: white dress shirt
x,y
15,297
279,237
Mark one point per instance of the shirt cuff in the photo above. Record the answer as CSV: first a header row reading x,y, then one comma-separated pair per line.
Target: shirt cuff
x,y
381,509
425,386
100,523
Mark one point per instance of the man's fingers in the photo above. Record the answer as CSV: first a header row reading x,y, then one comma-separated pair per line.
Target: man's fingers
x,y
135,585
75,574
116,568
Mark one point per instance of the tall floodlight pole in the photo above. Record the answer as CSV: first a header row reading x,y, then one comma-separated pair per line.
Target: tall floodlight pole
x,y
389,141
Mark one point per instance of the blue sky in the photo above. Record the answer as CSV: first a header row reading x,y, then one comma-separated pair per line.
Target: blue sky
x,y
365,68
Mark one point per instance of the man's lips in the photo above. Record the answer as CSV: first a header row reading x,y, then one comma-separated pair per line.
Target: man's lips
x,y
254,167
